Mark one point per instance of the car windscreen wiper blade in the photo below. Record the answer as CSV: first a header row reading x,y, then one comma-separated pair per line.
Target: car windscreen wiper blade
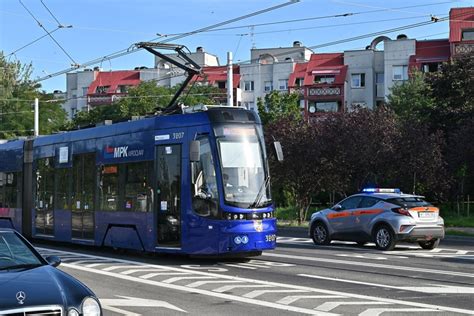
x,y
22,266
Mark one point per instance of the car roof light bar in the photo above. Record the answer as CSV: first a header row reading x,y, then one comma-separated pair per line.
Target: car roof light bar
x,y
381,190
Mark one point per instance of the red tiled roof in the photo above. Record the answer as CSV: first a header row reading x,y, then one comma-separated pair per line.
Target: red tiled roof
x,y
459,19
298,72
331,63
430,51
219,73
113,79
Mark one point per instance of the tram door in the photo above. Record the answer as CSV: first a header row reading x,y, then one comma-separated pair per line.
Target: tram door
x,y
168,195
83,196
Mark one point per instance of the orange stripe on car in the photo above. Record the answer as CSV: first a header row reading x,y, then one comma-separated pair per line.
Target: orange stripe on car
x,y
367,212
338,215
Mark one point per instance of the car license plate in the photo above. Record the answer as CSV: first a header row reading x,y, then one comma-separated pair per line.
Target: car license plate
x,y
426,214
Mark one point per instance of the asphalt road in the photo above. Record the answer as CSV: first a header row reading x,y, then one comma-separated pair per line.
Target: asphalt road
x,y
295,279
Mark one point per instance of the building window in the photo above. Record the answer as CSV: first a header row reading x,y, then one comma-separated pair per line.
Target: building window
x,y
221,84
324,79
84,90
102,89
468,35
283,84
400,73
379,78
430,67
122,89
358,80
248,86
268,86
323,107
299,82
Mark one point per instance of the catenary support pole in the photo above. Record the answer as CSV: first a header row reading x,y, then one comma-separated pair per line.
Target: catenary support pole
x,y
230,85
36,117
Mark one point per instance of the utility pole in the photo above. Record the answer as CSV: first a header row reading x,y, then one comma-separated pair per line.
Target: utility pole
x,y
36,131
230,85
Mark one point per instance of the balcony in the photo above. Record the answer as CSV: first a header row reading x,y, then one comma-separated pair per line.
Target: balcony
x,y
298,90
322,91
103,99
463,48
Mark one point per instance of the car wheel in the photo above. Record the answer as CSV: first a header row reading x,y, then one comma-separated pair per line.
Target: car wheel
x,y
320,234
384,238
430,244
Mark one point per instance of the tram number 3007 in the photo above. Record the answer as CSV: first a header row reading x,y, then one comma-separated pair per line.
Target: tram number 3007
x,y
270,238
178,135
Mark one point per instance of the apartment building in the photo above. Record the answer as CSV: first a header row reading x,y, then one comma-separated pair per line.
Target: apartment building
x,y
326,82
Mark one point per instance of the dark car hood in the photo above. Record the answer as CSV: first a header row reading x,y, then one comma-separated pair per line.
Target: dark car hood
x,y
43,285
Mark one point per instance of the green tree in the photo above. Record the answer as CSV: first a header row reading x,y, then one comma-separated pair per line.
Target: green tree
x,y
453,93
277,105
17,94
412,99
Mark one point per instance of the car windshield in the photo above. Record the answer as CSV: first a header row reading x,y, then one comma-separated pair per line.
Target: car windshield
x,y
14,253
411,201
244,173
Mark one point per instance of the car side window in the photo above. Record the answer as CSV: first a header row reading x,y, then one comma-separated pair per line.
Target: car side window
x,y
368,201
352,202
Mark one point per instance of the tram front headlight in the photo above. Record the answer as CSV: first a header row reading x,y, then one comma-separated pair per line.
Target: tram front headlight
x,y
237,240
241,216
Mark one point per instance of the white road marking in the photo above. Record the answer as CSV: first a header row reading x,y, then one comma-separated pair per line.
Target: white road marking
x,y
224,296
360,256
372,265
235,265
152,275
175,279
378,311
293,298
227,288
245,300
131,271
257,293
126,301
329,306
435,288
116,267
200,283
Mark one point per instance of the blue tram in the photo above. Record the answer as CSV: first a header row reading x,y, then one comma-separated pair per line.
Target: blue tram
x,y
194,183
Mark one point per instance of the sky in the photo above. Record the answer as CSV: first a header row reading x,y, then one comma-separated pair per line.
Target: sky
x,y
101,27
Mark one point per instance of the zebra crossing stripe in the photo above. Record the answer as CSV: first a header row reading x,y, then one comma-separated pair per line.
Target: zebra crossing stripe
x,y
329,306
293,298
379,311
257,293
227,288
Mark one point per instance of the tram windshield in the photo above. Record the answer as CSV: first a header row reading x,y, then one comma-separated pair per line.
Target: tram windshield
x,y
244,172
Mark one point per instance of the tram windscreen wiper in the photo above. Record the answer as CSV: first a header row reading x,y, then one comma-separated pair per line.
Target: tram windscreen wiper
x,y
259,196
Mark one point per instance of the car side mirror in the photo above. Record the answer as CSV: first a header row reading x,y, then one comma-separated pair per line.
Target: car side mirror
x,y
337,207
194,150
53,261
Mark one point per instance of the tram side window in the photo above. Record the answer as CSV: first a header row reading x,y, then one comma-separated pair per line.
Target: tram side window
x,y
109,188
204,188
83,174
3,177
138,190
44,184
63,175
11,190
